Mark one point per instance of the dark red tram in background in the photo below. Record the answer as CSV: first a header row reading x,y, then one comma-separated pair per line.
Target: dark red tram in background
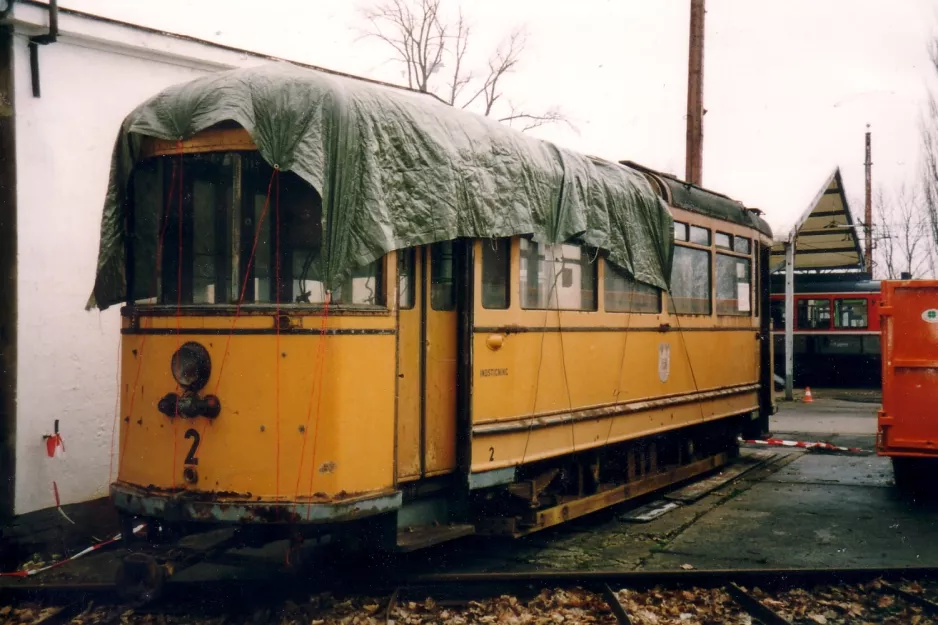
x,y
836,330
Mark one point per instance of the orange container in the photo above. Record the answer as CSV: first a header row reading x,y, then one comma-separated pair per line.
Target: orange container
x,y
908,420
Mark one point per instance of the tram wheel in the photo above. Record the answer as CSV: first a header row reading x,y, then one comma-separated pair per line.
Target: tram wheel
x,y
139,578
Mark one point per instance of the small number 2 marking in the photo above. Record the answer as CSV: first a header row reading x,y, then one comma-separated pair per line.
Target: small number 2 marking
x,y
491,454
193,434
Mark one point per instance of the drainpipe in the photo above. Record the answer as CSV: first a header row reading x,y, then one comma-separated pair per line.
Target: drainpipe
x,y
41,40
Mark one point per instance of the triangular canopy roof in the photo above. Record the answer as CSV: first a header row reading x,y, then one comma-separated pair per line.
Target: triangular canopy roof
x,y
825,234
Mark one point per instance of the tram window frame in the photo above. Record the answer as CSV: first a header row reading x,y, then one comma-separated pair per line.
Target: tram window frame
x,y
699,235
802,305
611,296
723,307
744,242
233,280
442,286
840,301
531,288
406,271
681,231
675,305
496,273
723,240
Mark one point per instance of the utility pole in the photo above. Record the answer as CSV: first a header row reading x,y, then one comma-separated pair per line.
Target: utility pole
x,y
694,173
790,314
868,216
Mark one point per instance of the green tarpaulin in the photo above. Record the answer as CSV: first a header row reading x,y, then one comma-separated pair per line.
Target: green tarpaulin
x,y
396,169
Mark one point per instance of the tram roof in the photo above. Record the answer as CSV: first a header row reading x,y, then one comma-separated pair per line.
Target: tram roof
x,y
697,199
395,169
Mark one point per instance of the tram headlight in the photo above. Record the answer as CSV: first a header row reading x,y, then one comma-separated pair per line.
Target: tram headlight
x,y
191,366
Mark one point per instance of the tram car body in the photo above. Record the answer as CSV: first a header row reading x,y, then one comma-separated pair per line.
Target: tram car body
x,y
488,384
836,331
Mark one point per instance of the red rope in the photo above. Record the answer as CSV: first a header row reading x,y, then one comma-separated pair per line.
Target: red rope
x,y
317,377
148,320
178,306
277,295
321,356
247,272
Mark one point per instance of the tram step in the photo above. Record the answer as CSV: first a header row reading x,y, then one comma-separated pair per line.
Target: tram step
x,y
413,538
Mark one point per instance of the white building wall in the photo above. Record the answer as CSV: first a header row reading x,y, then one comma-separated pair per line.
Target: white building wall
x,y
67,357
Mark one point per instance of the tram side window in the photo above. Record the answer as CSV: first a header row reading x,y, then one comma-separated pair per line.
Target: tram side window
x,y
442,276
814,314
734,285
851,313
496,268
700,236
690,281
680,231
406,281
557,277
623,294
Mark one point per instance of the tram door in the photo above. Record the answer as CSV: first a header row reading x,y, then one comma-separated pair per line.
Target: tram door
x,y
427,356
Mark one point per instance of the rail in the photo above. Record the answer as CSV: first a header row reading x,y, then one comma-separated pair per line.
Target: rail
x,y
64,601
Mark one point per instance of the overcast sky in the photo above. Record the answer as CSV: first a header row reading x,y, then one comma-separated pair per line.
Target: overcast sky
x,y
789,86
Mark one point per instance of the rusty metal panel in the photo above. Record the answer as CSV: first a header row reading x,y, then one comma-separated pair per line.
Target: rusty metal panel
x,y
234,508
908,421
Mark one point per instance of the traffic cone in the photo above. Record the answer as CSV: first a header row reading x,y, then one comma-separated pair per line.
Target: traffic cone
x,y
807,395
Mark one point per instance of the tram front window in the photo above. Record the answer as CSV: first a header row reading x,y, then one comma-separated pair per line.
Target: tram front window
x,y
216,216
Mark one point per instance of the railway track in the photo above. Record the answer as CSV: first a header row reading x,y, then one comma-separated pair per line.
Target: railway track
x,y
906,595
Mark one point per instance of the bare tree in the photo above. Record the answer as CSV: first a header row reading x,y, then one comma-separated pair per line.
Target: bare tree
x,y
884,243
929,134
434,52
902,232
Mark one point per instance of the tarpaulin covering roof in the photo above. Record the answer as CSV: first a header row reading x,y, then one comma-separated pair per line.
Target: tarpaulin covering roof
x,y
396,169
706,202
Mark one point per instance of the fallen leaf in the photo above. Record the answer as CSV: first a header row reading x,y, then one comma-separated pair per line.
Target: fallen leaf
x,y
818,618
687,567
885,601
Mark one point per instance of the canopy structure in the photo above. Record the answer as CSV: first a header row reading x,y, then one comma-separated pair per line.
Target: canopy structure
x,y
825,235
396,169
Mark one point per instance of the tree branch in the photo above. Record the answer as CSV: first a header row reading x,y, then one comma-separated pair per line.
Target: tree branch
x,y
420,38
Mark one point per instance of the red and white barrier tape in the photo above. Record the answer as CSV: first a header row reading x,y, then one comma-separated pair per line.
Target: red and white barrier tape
x,y
84,552
822,445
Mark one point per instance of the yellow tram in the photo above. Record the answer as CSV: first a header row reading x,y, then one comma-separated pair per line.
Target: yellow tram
x,y
346,304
